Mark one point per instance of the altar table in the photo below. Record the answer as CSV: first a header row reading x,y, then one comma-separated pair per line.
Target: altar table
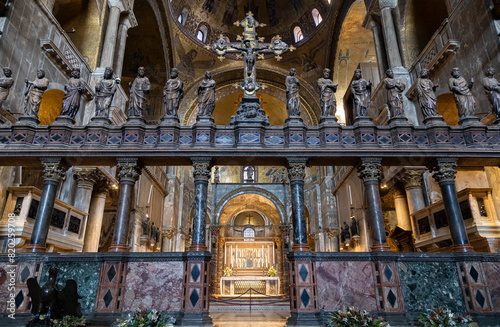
x,y
239,285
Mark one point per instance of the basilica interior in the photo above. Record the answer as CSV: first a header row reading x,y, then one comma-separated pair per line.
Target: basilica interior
x,y
188,214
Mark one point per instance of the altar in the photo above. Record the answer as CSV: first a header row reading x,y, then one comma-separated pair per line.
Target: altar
x,y
235,285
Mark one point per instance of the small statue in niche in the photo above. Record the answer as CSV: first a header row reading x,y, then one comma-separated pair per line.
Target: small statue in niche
x,y
217,175
328,89
426,94
173,93
5,85
354,227
292,94
395,91
33,94
342,235
206,96
74,89
361,93
347,235
461,90
145,226
492,89
152,233
51,302
138,91
105,91
157,235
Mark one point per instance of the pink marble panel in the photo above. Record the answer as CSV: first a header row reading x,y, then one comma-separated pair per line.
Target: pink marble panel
x,y
345,284
4,286
492,273
153,285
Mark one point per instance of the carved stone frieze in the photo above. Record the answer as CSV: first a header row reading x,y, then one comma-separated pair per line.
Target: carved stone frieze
x,y
444,170
130,170
52,169
369,169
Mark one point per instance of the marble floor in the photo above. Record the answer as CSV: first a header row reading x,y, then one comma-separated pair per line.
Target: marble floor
x,y
247,318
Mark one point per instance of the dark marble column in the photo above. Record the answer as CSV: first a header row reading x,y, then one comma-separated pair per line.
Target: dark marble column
x,y
369,172
296,174
444,174
52,174
130,170
201,176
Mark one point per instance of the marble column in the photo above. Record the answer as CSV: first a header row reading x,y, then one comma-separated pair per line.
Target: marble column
x,y
389,31
379,46
110,39
401,207
202,169
125,24
166,245
130,170
52,173
369,172
412,179
296,174
444,174
95,218
85,178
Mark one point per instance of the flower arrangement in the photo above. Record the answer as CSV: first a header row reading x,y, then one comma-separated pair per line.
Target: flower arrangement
x,y
145,318
66,321
228,272
443,317
271,272
354,317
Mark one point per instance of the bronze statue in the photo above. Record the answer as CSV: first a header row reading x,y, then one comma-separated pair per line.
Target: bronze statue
x,y
74,89
105,91
395,91
145,227
328,89
206,96
361,93
354,227
51,302
249,87
250,54
138,90
173,93
347,235
152,232
292,94
5,85
33,94
492,89
426,94
461,90
217,175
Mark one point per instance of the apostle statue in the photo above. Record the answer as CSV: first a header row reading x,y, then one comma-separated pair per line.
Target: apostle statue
x,y
461,90
426,96
33,94
361,93
328,89
74,89
292,94
492,89
105,91
395,91
354,227
138,90
173,93
5,85
206,96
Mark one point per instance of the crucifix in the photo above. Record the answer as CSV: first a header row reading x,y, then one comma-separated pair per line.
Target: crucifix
x,y
249,216
250,48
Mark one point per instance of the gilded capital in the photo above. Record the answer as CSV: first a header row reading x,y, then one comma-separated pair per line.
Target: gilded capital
x,y
412,178
445,171
369,169
202,168
297,169
86,177
130,170
52,169
168,233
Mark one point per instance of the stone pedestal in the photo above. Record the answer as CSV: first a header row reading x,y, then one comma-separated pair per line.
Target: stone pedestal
x,y
364,132
23,131
133,131
401,132
295,132
474,131
97,131
204,132
169,129
329,132
438,132
250,111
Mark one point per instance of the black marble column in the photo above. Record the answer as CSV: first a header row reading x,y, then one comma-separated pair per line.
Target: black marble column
x,y
444,174
369,172
296,174
52,174
201,176
130,170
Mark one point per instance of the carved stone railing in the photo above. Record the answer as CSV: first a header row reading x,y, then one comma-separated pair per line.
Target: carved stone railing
x,y
441,45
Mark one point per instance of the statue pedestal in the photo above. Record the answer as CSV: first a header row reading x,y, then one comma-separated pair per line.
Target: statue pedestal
x,y
27,120
399,121
61,130
169,131
169,120
99,121
401,132
250,111
295,132
470,121
438,132
330,120
136,120
434,120
204,132
363,120
134,130
64,120
97,131
474,131
23,131
364,131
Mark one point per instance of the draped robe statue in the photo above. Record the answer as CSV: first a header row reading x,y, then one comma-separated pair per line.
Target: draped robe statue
x,y
173,93
461,90
361,93
74,89
105,91
426,96
292,94
5,85
328,89
206,96
33,94
394,94
492,89
138,90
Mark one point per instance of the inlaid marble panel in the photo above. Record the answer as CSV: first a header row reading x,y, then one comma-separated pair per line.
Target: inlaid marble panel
x,y
492,273
153,285
345,284
430,284
86,275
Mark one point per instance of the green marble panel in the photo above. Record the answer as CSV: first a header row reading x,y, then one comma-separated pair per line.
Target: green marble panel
x,y
430,284
86,275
